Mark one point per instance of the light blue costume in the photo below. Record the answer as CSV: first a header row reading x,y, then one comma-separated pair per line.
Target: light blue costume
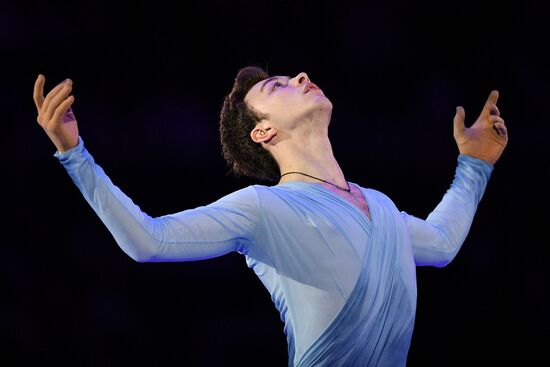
x,y
344,284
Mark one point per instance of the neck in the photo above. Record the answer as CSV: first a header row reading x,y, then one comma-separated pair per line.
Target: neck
x,y
311,156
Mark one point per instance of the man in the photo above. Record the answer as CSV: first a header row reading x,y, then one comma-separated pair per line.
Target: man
x,y
338,259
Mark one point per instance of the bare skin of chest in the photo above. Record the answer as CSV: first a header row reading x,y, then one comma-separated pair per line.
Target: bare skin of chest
x,y
355,197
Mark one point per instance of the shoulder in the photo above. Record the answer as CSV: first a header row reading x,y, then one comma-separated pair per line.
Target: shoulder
x,y
247,193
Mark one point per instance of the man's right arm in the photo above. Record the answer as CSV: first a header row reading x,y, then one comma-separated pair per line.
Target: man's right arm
x,y
229,224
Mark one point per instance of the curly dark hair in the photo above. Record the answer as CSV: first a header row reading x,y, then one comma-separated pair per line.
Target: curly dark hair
x,y
237,119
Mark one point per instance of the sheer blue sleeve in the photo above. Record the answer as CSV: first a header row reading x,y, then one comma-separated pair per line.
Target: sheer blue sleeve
x,y
437,240
228,224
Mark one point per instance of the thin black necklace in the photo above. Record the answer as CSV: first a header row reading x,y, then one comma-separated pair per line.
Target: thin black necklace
x,y
320,179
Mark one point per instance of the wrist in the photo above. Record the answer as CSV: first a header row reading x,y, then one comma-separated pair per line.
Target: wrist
x,y
486,160
66,151
64,146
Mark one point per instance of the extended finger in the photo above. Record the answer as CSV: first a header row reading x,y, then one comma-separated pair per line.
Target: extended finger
x,y
62,109
491,101
458,121
59,97
493,110
52,94
38,93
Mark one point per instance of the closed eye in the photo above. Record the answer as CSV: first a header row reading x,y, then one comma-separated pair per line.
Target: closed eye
x,y
277,84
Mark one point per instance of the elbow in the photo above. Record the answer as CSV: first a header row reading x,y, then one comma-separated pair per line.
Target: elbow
x,y
445,259
438,258
141,255
141,258
440,253
448,247
141,247
448,252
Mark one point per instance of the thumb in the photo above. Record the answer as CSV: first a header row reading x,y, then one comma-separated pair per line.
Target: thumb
x,y
492,99
458,121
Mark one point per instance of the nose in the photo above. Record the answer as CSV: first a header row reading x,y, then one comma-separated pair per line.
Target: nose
x,y
301,79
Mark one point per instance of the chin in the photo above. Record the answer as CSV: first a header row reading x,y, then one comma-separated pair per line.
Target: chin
x,y
324,110
326,104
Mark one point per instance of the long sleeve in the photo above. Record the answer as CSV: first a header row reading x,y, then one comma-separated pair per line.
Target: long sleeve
x,y
228,224
437,240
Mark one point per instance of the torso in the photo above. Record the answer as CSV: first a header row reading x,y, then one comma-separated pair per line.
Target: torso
x,y
355,197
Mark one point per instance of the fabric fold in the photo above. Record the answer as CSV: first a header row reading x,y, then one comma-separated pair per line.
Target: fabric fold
x,y
376,323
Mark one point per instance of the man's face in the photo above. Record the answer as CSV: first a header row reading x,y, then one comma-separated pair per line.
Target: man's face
x,y
289,102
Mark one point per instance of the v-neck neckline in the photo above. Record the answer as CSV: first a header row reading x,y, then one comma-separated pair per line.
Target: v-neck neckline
x,y
356,208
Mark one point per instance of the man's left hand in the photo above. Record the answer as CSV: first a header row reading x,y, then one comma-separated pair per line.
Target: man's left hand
x,y
487,137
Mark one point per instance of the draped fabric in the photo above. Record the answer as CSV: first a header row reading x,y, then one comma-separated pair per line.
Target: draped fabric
x,y
375,326
309,253
344,284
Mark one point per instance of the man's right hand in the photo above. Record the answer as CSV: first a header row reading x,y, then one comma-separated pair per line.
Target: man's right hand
x,y
55,114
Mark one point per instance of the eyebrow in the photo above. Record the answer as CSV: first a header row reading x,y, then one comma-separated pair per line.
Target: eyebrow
x,y
270,79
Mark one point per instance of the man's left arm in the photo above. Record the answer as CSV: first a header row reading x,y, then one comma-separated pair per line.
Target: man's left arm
x,y
437,240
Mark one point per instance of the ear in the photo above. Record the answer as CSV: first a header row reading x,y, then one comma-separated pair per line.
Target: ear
x,y
263,132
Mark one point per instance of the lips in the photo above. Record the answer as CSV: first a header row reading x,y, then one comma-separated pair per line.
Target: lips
x,y
310,86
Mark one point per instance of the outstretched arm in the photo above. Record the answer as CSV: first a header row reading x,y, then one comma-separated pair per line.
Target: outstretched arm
x,y
226,225
437,240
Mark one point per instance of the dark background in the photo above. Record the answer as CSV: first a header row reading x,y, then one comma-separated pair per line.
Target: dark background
x,y
149,79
